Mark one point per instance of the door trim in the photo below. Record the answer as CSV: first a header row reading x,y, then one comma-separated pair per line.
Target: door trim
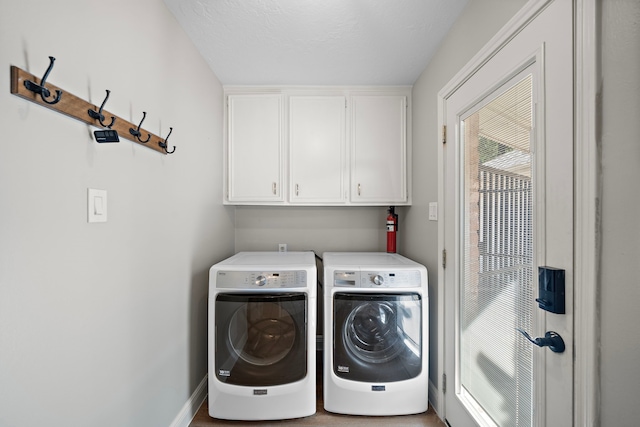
x,y
587,204
586,191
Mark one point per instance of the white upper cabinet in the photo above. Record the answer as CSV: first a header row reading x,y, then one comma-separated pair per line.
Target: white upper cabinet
x,y
317,150
318,146
379,149
255,148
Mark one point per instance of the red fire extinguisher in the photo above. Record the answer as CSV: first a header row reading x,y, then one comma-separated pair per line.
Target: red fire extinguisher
x,y
392,228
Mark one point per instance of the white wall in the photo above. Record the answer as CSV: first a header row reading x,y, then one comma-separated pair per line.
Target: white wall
x,y
477,24
105,324
620,269
311,228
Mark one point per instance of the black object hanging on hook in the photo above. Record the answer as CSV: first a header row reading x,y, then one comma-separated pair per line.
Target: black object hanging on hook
x,y
163,144
136,132
97,115
106,135
40,89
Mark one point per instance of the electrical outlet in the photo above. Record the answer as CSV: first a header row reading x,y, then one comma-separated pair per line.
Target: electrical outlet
x,y
282,247
433,211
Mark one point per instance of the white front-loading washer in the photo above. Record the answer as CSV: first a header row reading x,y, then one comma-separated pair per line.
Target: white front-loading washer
x,y
262,336
375,334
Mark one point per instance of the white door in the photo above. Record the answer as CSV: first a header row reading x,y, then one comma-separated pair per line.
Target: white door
x,y
379,149
255,148
317,149
508,210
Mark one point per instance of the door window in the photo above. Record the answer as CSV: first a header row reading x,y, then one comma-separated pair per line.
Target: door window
x,y
497,292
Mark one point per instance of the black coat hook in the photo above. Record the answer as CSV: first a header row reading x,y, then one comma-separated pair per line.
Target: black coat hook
x,y
40,89
99,116
163,144
136,132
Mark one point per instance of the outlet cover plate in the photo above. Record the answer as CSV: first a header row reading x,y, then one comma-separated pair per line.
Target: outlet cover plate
x,y
433,211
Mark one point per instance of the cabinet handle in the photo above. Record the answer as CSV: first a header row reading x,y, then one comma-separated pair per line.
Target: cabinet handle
x,y
358,189
296,189
273,188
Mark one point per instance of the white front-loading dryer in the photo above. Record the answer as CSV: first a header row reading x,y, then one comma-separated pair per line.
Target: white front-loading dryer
x,y
375,334
262,336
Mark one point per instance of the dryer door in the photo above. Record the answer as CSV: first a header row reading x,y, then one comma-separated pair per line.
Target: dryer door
x,y
377,337
260,339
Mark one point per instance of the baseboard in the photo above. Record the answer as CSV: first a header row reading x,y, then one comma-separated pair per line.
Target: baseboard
x,y
434,400
190,409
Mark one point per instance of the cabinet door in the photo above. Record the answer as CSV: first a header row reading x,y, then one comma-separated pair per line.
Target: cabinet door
x,y
317,149
255,148
378,162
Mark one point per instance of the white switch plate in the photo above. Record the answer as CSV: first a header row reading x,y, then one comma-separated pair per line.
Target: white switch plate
x,y
433,211
96,205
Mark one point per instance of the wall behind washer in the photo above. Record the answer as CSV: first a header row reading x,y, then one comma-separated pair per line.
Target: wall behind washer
x,y
620,136
320,229
105,324
477,24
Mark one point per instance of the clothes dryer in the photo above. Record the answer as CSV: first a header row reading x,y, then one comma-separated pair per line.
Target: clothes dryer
x,y
375,335
262,336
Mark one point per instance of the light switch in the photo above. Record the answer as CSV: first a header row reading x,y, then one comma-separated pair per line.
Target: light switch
x,y
433,211
98,210
96,205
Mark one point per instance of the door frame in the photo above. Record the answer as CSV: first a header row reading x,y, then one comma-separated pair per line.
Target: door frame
x,y
586,203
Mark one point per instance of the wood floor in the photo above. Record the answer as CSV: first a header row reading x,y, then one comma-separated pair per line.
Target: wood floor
x,y
324,418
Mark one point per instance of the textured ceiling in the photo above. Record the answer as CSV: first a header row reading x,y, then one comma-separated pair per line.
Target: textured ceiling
x,y
316,42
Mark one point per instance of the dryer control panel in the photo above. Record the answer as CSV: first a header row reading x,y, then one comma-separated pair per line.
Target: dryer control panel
x,y
261,279
377,279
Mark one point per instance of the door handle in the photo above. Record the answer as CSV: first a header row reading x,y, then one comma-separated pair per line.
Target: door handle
x,y
551,339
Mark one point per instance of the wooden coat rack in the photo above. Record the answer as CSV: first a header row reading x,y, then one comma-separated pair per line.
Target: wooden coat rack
x,y
25,85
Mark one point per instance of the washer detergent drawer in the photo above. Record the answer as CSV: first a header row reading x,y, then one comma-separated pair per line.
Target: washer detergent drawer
x,y
377,337
260,339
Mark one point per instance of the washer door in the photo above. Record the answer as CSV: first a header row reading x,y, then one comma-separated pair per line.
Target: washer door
x,y
377,337
260,339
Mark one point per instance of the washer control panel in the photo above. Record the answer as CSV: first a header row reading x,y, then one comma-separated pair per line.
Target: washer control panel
x,y
377,279
261,279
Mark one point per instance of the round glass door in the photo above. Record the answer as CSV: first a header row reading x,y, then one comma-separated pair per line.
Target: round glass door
x,y
260,339
262,333
371,332
377,337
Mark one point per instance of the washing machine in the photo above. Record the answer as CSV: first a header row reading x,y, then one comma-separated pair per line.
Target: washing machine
x,y
262,336
375,334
